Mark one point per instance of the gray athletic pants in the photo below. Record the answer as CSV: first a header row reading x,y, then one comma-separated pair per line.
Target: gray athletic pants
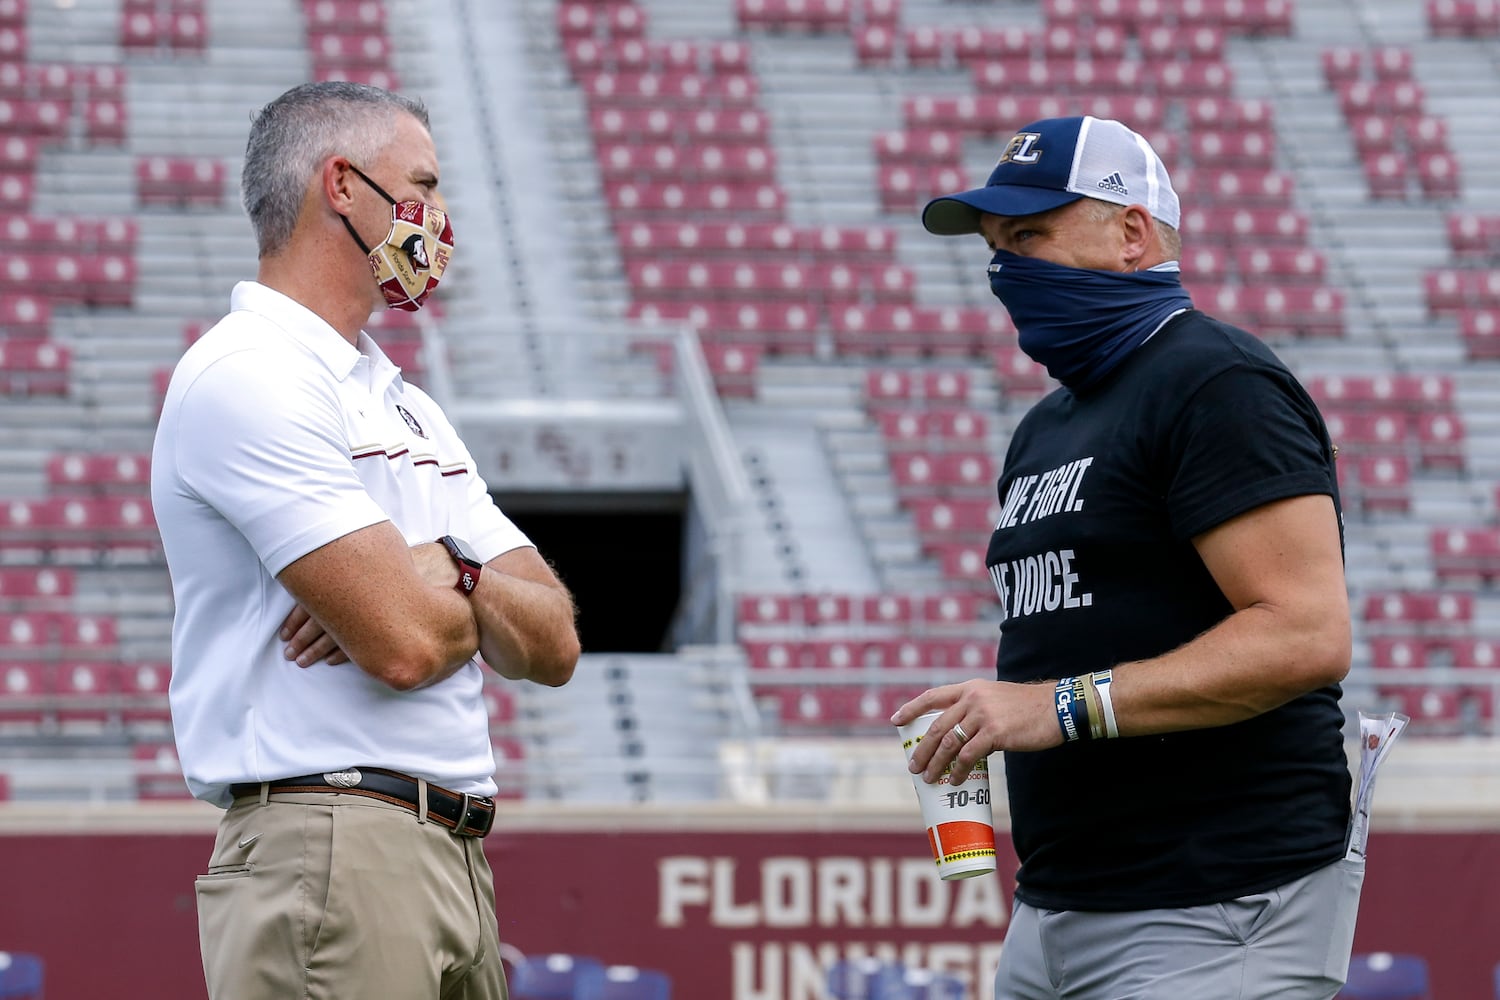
x,y
1290,943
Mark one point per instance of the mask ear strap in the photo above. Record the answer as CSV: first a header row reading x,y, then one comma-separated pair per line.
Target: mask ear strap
x,y
355,236
350,226
378,189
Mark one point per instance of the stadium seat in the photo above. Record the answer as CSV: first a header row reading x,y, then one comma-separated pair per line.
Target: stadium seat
x,y
857,979
99,471
143,696
627,982
1438,175
30,586
1441,440
557,977
23,691
1397,653
1427,611
179,180
85,694
1386,174
1384,976
1474,654
158,772
1463,18
919,984
1465,553
345,15
894,609
1384,482
22,976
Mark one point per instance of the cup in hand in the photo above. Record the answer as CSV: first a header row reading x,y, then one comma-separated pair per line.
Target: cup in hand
x,y
960,822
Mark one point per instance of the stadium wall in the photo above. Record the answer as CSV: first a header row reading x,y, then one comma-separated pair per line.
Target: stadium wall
x,y
734,904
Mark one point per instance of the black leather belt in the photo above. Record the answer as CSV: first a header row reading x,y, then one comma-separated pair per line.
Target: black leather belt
x,y
466,815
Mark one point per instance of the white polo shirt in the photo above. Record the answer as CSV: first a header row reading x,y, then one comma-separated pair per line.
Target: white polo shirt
x,y
278,436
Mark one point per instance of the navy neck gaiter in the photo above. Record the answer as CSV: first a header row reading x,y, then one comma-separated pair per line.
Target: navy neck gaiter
x,y
1078,322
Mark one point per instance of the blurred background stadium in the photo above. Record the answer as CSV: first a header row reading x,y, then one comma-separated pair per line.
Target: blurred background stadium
x,y
707,358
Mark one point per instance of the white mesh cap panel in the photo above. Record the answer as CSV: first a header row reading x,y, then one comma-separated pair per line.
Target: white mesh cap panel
x,y
1114,164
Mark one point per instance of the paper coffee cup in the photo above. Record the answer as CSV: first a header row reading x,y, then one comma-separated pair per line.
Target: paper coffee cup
x,y
960,821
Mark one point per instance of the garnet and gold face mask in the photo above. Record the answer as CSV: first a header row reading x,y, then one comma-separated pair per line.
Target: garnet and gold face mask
x,y
410,261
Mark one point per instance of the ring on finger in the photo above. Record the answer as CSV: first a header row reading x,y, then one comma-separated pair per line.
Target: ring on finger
x,y
958,729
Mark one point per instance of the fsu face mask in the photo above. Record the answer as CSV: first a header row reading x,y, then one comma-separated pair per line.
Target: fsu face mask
x,y
410,261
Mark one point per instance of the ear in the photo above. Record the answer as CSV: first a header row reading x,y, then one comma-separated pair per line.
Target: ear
x,y
338,184
1137,235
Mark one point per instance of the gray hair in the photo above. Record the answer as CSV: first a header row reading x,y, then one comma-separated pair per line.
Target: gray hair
x,y
1101,211
291,137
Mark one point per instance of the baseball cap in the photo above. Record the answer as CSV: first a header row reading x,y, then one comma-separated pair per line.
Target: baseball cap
x,y
1055,161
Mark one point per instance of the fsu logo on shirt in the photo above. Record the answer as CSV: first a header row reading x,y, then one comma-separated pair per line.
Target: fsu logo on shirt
x,y
411,421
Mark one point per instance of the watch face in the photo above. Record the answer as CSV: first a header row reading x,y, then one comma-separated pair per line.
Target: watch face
x,y
462,551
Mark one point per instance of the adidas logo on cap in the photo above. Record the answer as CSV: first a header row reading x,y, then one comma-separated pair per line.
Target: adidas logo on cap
x,y
1114,182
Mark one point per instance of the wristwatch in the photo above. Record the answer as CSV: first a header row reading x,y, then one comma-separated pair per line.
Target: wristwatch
x,y
469,565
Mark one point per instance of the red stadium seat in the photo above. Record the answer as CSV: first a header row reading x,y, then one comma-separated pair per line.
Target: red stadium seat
x,y
1429,611
1342,64
1384,482
1475,654
34,366
23,690
926,46
187,30
158,773
1481,332
143,696
1194,79
1441,440
893,609
1465,553
105,122
875,44
1247,147
28,632
1283,264
946,385
35,585
1238,186
765,201
1020,376
963,563
353,16
1438,175
180,180
949,609
824,609
85,693
1391,62
1463,18
1374,432
101,471
955,519
369,49
918,146
889,385
24,317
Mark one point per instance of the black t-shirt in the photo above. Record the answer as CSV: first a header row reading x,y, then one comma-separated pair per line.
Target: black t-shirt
x,y
1093,559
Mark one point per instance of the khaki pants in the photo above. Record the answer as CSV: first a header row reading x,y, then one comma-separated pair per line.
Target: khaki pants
x,y
322,896
1290,943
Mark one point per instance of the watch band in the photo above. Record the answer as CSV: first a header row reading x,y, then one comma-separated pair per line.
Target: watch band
x,y
469,565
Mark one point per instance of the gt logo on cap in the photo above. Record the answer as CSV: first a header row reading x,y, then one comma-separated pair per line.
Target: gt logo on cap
x,y
1022,148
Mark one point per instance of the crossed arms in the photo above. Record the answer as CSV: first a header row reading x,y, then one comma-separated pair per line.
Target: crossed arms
x,y
392,609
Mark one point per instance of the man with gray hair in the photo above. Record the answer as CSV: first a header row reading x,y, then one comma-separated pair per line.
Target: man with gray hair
x,y
342,580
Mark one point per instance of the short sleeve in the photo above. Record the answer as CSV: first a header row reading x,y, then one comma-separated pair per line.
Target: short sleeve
x,y
1247,437
492,532
266,448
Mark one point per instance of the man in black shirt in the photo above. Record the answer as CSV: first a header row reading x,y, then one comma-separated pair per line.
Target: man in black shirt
x,y
1169,559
